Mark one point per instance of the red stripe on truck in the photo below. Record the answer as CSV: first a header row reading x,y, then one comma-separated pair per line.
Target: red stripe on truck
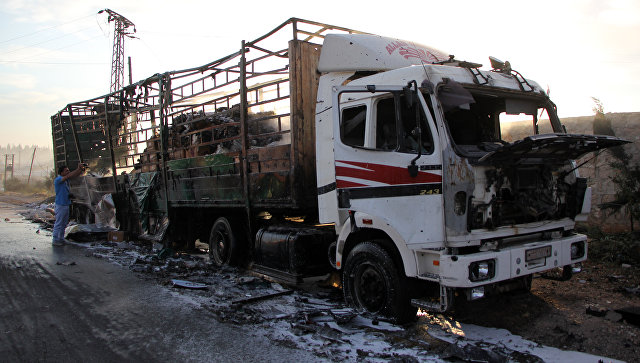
x,y
390,175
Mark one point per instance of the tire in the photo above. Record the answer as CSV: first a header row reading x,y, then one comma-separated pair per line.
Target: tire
x,y
83,215
225,244
373,283
527,281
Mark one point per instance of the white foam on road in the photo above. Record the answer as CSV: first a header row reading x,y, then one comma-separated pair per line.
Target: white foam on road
x,y
462,334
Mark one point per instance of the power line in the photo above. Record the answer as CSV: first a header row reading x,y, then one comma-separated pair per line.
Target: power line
x,y
193,35
51,50
46,41
45,29
79,63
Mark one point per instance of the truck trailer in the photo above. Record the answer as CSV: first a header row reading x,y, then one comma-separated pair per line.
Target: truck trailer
x,y
317,149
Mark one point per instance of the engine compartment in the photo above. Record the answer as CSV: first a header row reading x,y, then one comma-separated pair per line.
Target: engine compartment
x,y
524,194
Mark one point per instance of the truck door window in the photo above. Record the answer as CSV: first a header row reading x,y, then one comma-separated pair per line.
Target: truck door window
x,y
410,138
387,126
386,130
393,127
352,127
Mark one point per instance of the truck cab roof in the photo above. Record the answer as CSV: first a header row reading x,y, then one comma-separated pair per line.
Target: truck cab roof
x,y
396,59
367,52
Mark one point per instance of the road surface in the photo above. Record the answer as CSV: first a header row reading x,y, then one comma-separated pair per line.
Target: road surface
x,y
107,303
57,305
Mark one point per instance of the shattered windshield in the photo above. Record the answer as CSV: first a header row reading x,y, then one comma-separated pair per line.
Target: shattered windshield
x,y
483,120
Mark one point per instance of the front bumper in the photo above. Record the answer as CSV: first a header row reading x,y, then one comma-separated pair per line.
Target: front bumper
x,y
512,262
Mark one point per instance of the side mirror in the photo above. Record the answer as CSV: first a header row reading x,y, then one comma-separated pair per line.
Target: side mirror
x,y
408,96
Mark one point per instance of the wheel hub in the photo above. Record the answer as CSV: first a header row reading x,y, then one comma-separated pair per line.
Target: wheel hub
x,y
370,289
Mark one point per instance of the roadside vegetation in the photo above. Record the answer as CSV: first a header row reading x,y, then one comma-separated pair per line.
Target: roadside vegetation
x,y
40,186
614,248
617,248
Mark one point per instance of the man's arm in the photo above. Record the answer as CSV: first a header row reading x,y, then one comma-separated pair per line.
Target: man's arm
x,y
75,173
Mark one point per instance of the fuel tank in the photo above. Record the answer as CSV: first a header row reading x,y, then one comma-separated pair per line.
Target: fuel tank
x,y
297,251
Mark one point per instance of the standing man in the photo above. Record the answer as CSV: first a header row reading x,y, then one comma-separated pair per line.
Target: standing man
x,y
62,201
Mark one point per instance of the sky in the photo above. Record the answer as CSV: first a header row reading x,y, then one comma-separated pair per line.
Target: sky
x,y
54,52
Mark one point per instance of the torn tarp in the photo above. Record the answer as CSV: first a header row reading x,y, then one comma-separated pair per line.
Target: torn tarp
x,y
142,185
105,213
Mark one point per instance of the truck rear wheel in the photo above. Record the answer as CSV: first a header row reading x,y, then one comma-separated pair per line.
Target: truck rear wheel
x,y
372,282
225,245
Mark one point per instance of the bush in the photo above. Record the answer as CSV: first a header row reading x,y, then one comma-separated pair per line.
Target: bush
x,y
615,248
21,186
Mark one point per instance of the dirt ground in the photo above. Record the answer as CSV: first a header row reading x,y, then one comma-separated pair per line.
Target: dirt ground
x,y
561,314
21,199
555,312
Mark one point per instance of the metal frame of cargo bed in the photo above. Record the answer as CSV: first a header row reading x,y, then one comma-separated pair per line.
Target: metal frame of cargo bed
x,y
236,132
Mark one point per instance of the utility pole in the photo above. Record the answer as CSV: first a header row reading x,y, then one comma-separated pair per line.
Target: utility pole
x,y
117,59
33,157
130,75
8,165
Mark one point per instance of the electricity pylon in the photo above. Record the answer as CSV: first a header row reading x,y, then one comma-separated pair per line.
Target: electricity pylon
x,y
121,31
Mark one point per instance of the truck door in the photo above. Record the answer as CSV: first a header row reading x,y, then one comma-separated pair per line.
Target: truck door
x,y
383,134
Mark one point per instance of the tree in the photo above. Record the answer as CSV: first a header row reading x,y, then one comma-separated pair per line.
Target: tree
x,y
627,178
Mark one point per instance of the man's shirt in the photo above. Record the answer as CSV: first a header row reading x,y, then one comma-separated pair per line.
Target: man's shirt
x,y
62,191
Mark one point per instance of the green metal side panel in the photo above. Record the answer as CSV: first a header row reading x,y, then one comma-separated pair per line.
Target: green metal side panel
x,y
210,179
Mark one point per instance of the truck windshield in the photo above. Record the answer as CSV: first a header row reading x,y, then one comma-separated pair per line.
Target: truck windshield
x,y
482,120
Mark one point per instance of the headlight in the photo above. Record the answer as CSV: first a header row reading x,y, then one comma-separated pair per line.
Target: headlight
x,y
577,250
476,293
482,270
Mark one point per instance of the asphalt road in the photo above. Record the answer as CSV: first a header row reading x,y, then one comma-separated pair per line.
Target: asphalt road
x,y
57,305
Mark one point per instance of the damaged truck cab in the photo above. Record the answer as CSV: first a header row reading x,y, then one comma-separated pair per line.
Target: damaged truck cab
x,y
424,175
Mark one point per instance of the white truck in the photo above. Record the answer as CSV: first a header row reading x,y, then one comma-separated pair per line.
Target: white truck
x,y
399,164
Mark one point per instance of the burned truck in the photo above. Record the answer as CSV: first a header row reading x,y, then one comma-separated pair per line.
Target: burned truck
x,y
317,149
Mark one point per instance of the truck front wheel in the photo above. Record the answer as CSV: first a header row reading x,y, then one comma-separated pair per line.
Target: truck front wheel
x,y
372,282
225,247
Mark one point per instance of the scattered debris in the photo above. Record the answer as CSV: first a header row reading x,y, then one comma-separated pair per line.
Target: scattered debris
x,y
596,311
41,213
475,353
316,319
614,278
343,316
87,232
165,252
633,290
261,297
66,263
188,284
630,314
613,316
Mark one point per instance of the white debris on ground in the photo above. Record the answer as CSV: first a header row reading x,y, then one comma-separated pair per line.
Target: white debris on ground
x,y
469,338
42,213
313,317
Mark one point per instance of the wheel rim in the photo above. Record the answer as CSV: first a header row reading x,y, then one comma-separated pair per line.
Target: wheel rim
x,y
370,289
220,245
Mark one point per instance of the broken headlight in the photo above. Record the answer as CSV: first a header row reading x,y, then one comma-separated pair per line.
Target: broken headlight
x,y
482,270
577,250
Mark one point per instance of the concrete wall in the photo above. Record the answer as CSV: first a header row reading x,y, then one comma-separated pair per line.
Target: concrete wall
x,y
598,170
